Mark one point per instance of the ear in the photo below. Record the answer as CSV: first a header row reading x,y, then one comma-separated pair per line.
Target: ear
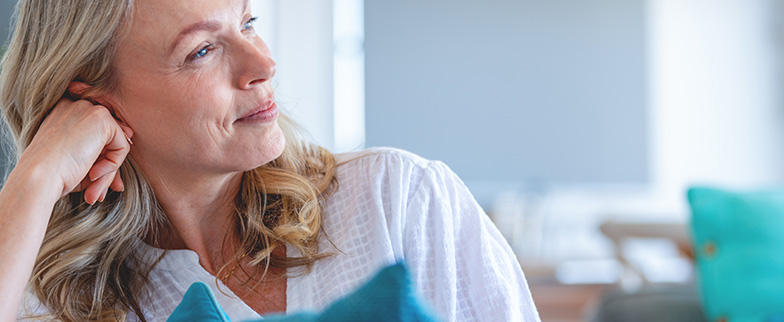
x,y
81,91
77,89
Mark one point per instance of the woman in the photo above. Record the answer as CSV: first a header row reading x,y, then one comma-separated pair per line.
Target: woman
x,y
152,156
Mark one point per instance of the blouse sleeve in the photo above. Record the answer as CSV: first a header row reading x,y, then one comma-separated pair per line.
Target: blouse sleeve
x,y
457,256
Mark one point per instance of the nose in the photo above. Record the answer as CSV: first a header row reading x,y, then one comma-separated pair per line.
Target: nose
x,y
255,63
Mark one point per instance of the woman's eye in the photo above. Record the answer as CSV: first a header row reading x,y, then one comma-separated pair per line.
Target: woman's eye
x,y
249,24
201,53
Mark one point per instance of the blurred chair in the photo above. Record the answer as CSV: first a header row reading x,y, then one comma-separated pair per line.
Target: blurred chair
x,y
619,232
648,302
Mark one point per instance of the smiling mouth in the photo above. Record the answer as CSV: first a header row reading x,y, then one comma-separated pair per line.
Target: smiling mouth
x,y
263,114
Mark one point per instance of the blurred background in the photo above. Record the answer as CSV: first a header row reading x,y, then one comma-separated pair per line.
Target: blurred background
x,y
578,125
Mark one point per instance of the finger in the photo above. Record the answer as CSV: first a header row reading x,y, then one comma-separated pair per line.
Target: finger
x,y
116,150
117,184
127,132
127,129
113,156
82,185
97,189
102,168
118,144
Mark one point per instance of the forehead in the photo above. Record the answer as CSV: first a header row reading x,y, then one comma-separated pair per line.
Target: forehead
x,y
146,10
156,22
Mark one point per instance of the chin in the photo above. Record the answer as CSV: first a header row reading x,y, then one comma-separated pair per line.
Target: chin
x,y
271,150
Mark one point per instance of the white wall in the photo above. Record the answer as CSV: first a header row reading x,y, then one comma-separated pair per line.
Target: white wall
x,y
349,75
717,115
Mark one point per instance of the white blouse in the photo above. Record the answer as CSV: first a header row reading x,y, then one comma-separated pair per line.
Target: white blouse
x,y
390,206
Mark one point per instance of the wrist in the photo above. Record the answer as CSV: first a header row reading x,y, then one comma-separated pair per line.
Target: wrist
x,y
37,179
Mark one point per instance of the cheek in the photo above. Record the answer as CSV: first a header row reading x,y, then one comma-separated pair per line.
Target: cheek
x,y
177,101
198,83
202,97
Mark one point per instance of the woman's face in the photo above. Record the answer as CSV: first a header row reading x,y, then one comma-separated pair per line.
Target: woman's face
x,y
195,88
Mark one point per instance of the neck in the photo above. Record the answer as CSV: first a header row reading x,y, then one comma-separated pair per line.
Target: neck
x,y
200,209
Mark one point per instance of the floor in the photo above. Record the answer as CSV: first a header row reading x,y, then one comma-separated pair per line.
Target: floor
x,y
565,303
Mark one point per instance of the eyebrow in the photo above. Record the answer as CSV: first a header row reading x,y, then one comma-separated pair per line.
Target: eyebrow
x,y
207,25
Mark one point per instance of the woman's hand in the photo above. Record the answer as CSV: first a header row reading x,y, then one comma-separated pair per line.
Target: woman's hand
x,y
79,146
83,146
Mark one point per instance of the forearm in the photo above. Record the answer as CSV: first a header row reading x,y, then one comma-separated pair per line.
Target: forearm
x,y
26,203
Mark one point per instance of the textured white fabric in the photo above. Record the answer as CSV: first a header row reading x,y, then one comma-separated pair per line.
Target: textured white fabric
x,y
391,206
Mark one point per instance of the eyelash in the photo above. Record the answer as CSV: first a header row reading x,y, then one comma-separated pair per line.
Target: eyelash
x,y
202,52
206,49
249,24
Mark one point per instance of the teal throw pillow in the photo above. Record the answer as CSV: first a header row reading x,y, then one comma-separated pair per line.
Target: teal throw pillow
x,y
739,247
198,305
387,297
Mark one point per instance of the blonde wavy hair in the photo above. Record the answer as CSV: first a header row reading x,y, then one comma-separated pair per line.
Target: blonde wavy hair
x,y
87,269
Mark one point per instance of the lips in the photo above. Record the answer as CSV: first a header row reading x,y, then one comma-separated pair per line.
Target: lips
x,y
267,112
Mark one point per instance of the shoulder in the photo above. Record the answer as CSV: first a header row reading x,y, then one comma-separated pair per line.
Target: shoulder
x,y
385,170
392,186
376,187
387,155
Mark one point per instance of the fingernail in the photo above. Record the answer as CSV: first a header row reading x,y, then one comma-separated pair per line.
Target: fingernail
x,y
103,196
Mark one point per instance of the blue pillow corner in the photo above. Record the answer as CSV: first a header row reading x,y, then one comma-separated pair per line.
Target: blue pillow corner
x,y
198,305
389,296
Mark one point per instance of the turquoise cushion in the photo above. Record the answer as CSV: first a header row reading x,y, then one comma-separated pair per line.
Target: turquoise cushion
x,y
198,305
387,297
739,247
